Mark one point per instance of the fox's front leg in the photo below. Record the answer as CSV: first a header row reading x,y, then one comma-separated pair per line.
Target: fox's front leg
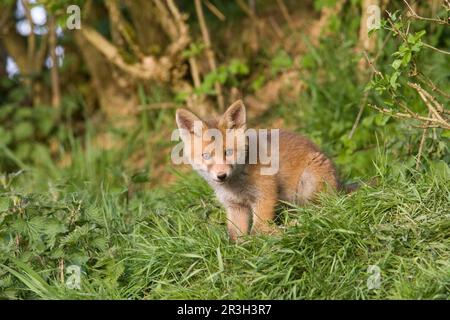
x,y
238,221
263,215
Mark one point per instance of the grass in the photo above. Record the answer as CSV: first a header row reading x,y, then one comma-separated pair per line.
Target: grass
x,y
171,243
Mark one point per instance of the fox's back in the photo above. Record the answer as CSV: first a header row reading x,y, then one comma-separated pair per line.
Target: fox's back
x,y
303,169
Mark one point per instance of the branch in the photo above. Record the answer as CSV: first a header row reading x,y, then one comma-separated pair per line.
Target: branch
x,y
416,16
122,26
431,103
214,10
436,49
149,69
56,91
31,38
421,145
182,39
433,87
285,13
395,114
209,51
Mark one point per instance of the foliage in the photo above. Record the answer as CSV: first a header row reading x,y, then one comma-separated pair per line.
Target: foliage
x,y
172,243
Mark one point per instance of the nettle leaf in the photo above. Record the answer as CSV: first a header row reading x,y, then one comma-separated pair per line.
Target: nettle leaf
x,y
19,226
54,227
36,226
57,253
100,243
4,204
95,215
77,234
78,258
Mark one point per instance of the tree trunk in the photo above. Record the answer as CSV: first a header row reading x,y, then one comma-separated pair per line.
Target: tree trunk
x,y
116,96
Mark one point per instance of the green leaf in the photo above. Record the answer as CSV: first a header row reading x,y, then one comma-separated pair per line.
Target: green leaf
x,y
396,64
140,177
406,58
393,80
4,204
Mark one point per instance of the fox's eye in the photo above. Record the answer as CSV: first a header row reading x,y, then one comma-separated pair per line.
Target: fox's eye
x,y
206,156
228,152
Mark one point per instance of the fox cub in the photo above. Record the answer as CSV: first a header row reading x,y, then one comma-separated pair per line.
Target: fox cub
x,y
249,194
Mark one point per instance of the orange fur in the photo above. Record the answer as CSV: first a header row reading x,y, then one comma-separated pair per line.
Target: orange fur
x,y
248,196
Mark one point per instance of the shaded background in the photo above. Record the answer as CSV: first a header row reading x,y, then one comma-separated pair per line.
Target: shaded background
x,y
299,65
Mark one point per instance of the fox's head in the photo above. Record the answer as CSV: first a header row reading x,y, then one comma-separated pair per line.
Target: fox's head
x,y
216,148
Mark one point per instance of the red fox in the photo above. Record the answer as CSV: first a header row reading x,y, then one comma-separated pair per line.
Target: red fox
x,y
248,194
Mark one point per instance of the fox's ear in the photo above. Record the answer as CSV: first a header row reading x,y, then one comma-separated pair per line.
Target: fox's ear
x,y
235,116
186,120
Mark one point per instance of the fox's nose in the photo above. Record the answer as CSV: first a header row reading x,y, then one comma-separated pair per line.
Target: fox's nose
x,y
221,176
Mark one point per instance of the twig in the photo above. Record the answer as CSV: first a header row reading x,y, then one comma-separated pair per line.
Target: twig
x,y
276,28
31,48
183,39
214,10
122,27
32,36
416,16
372,66
209,51
194,72
366,94
436,49
427,126
429,101
41,54
149,69
411,116
174,26
285,13
359,115
164,18
434,87
247,10
61,270
56,92
421,145
4,17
